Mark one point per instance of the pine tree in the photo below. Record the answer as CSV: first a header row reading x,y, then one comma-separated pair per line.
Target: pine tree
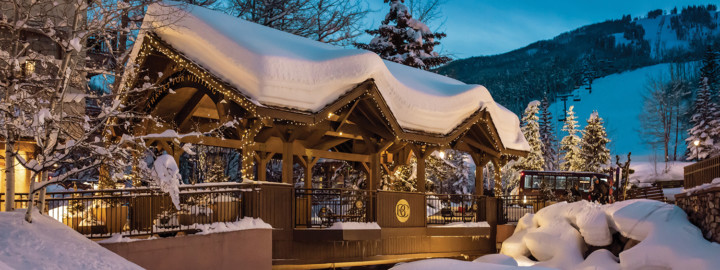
x,y
711,71
547,136
593,147
570,144
704,126
534,161
406,41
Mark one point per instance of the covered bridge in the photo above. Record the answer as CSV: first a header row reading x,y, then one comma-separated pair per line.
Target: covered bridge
x,y
270,95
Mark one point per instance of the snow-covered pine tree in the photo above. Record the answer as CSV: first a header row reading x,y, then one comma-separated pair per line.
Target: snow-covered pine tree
x,y
405,40
547,136
593,147
711,71
704,124
570,144
534,160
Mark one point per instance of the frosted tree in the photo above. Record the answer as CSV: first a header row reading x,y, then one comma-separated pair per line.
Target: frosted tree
x,y
405,40
570,144
531,129
593,148
547,136
704,124
449,171
45,95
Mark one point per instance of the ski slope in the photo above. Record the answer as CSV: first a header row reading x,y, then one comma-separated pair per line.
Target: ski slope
x,y
618,98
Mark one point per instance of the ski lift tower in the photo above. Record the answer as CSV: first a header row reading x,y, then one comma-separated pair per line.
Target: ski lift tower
x,y
564,98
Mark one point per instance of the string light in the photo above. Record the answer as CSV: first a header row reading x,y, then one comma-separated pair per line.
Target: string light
x,y
196,74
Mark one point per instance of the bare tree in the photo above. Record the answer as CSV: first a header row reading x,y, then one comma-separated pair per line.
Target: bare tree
x,y
428,11
330,21
665,103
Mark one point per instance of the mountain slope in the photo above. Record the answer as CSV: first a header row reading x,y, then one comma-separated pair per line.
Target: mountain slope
x,y
578,57
618,98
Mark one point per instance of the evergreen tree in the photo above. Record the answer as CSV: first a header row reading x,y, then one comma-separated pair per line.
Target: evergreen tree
x,y
711,71
405,40
547,136
531,130
704,126
593,147
570,144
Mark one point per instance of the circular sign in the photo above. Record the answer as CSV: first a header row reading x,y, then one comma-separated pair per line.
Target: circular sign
x,y
402,210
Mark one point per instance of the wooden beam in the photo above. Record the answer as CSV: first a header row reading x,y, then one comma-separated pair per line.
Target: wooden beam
x,y
182,118
346,114
337,155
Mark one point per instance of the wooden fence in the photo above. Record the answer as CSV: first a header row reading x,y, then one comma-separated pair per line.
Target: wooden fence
x,y
702,172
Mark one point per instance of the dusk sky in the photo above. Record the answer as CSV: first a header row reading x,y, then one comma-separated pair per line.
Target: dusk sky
x,y
486,27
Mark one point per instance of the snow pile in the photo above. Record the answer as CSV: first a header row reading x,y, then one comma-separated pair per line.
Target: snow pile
x,y
497,259
48,244
715,183
275,68
435,264
245,223
482,224
559,235
167,177
354,226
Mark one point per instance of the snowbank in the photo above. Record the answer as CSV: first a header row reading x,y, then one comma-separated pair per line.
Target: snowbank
x,y
354,226
48,244
559,235
481,224
434,264
245,223
275,68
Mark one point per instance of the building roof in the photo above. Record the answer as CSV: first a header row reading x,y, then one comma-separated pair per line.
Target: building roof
x,y
275,68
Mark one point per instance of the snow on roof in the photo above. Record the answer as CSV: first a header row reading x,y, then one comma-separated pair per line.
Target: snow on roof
x,y
275,68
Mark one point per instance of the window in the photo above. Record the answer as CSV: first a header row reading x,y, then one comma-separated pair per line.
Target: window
x,y
549,181
585,183
536,181
560,182
528,181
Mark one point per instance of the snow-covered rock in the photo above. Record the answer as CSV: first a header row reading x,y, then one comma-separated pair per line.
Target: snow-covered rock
x,y
560,234
48,244
275,68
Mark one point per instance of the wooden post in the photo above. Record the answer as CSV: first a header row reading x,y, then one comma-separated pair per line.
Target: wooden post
x,y
420,174
374,178
262,159
498,179
287,163
479,181
247,163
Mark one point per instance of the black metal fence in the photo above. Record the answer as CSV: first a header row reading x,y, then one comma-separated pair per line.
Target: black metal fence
x,y
141,211
513,207
448,208
324,207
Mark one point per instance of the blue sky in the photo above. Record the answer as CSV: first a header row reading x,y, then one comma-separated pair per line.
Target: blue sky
x,y
486,27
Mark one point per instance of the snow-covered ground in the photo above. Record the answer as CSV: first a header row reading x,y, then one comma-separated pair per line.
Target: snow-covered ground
x,y
647,172
48,244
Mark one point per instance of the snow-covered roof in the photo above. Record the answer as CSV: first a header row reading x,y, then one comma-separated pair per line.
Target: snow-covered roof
x,y
274,68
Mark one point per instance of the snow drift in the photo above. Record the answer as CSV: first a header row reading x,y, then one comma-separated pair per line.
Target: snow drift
x,y
274,68
48,244
558,236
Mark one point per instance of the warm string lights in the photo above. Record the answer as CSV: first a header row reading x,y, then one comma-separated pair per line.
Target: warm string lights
x,y
196,74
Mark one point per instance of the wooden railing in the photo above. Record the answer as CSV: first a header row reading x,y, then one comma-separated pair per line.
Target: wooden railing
x,y
141,211
702,172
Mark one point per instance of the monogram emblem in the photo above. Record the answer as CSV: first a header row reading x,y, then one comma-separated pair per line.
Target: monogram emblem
x,y
402,210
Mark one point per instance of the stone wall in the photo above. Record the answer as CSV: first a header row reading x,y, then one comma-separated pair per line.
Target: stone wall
x,y
703,210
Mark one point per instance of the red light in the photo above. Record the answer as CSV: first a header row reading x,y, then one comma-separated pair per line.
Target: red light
x,y
522,173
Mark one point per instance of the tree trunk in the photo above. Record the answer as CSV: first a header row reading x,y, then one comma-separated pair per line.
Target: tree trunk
x,y
9,175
